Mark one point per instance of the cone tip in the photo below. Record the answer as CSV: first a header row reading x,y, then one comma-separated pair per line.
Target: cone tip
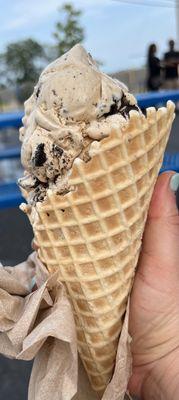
x,y
170,106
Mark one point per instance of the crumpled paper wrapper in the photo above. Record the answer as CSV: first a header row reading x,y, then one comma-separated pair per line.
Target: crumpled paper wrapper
x,y
36,321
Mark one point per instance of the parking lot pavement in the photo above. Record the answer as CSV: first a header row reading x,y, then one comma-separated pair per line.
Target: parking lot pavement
x,y
14,377
173,143
15,245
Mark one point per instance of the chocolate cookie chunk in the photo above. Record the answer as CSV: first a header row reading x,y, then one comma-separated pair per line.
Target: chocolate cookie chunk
x,y
40,156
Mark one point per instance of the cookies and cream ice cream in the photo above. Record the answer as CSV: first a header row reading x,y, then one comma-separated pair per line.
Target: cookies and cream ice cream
x,y
91,234
73,105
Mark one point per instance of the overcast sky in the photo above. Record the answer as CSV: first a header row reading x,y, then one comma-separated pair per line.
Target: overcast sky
x,y
117,34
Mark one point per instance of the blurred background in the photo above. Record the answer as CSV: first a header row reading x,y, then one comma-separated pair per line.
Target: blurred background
x,y
136,41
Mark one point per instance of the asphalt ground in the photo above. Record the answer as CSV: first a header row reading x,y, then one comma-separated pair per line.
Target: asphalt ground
x,y
15,246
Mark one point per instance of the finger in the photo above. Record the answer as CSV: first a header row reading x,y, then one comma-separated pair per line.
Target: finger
x,y
163,203
161,236
34,245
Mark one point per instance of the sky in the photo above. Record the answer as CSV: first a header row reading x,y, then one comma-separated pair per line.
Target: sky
x,y
116,33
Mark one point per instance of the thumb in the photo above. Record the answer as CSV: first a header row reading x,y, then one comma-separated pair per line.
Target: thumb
x,y
163,203
156,284
161,236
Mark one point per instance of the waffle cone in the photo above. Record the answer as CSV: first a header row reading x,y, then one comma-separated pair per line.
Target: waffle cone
x,y
92,235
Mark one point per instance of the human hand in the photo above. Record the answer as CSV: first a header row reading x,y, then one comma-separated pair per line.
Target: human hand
x,y
154,306
34,245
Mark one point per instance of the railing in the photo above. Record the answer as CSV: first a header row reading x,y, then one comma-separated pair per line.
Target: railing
x,y
8,120
10,195
157,98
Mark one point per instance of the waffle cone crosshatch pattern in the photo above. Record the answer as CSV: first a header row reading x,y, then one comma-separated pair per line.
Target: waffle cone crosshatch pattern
x,y
92,235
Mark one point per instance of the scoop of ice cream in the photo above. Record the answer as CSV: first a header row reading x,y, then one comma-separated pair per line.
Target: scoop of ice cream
x,y
76,88
72,105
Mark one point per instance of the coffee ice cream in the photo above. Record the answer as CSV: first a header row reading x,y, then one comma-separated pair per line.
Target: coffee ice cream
x,y
72,105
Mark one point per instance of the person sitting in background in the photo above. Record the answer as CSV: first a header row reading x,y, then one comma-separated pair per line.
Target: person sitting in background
x,y
171,61
154,69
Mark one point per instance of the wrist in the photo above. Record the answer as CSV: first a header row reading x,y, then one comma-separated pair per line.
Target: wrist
x,y
162,382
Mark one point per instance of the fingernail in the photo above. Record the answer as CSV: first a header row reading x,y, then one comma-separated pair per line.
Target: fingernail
x,y
174,183
174,186
33,282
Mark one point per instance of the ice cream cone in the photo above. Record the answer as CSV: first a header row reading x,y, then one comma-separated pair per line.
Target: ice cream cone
x,y
92,235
